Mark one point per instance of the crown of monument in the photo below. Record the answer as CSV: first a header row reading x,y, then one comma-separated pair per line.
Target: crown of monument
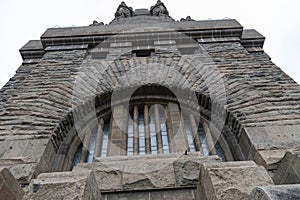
x,y
126,14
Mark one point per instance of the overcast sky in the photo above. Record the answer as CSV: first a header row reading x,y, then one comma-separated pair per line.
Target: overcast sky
x,y
277,20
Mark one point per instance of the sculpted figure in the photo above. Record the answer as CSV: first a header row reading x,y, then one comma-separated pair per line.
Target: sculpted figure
x,y
159,9
123,11
188,18
95,23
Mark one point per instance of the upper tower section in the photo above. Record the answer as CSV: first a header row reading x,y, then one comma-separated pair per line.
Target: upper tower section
x,y
143,28
157,13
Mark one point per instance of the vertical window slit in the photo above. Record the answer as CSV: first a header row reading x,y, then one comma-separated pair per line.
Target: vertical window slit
x,y
105,137
164,130
130,136
141,133
152,133
92,144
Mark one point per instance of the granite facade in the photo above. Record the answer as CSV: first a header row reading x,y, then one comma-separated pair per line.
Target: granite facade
x,y
72,74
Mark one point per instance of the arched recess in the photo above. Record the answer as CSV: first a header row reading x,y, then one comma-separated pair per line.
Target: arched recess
x,y
177,73
69,135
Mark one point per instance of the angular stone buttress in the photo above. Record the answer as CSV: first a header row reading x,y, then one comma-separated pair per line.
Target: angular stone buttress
x,y
148,107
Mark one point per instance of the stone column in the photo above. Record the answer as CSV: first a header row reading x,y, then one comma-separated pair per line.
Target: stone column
x,y
135,131
99,139
179,141
209,139
170,131
147,130
86,145
125,129
117,139
194,127
158,130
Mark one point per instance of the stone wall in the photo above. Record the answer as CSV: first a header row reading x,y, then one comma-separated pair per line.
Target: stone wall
x,y
230,180
64,185
169,171
60,86
9,187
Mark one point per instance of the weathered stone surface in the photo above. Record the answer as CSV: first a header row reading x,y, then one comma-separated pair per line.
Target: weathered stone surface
x,y
288,171
262,102
230,180
187,170
64,185
171,194
22,169
104,174
147,172
31,149
269,158
265,139
9,187
148,175
23,156
276,192
132,175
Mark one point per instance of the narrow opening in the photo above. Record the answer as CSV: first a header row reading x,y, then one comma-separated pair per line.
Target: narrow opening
x,y
99,55
143,52
187,50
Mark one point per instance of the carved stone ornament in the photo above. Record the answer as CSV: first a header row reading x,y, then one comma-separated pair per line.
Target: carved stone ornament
x,y
95,23
188,18
124,11
159,9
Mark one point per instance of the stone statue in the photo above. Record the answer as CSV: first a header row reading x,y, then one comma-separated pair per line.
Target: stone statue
x,y
188,18
123,11
159,9
95,23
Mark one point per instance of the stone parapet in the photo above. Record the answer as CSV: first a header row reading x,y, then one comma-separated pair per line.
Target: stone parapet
x,y
276,192
9,187
288,171
64,185
230,180
147,172
32,49
170,194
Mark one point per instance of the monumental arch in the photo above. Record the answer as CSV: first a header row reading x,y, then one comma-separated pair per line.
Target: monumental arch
x,y
149,107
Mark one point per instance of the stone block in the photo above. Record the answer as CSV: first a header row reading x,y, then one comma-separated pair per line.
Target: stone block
x,y
267,144
269,158
230,180
288,171
23,172
64,185
21,169
32,45
251,34
170,194
31,149
274,137
9,187
285,137
187,168
276,192
258,137
131,173
104,174
148,175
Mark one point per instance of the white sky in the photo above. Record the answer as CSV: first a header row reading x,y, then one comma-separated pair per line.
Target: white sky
x,y
277,20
